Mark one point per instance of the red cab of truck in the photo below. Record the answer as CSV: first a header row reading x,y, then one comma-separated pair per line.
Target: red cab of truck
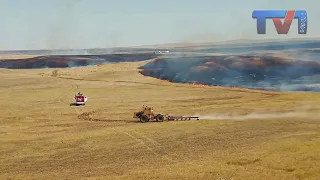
x,y
80,99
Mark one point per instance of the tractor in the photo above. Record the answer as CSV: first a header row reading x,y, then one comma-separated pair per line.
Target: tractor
x,y
147,114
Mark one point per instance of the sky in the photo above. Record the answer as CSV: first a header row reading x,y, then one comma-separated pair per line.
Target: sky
x,y
73,24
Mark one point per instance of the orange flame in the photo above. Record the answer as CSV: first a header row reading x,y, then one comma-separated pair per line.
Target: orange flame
x,y
208,86
200,85
193,84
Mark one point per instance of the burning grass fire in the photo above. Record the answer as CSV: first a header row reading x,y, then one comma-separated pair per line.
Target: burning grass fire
x,y
65,61
194,84
210,86
254,72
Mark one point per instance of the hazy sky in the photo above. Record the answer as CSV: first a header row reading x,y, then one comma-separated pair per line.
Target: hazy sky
x,y
53,24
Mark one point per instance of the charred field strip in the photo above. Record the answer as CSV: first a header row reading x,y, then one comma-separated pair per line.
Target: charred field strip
x,y
65,61
249,71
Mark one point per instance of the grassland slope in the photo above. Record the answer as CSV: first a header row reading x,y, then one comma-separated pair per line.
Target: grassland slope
x,y
42,137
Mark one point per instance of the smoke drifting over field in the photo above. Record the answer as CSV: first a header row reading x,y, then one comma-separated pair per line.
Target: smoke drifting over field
x,y
262,72
256,116
64,61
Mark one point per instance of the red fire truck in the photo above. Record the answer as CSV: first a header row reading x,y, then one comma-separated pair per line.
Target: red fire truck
x,y
80,99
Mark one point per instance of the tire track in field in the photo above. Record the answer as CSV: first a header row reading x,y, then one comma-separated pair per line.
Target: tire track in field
x,y
61,97
78,111
150,144
88,116
151,148
161,147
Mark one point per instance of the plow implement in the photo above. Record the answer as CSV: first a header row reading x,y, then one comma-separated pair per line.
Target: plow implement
x,y
181,118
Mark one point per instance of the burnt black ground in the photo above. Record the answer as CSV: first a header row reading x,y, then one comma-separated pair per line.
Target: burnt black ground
x,y
65,61
260,72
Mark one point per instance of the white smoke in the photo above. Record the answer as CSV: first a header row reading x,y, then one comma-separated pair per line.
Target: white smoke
x,y
279,115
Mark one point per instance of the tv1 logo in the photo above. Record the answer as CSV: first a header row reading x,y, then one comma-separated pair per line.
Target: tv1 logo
x,y
276,16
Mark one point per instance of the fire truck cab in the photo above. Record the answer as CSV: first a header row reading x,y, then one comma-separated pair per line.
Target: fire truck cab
x,y
80,99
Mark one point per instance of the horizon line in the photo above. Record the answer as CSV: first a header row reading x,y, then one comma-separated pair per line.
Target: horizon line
x,y
178,44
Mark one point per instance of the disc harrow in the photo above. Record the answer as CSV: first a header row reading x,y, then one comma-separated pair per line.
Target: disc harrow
x,y
181,118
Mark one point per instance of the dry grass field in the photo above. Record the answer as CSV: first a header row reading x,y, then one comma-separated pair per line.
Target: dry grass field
x,y
243,135
18,56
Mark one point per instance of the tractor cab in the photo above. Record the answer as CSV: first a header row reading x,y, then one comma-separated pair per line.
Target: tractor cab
x,y
147,110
